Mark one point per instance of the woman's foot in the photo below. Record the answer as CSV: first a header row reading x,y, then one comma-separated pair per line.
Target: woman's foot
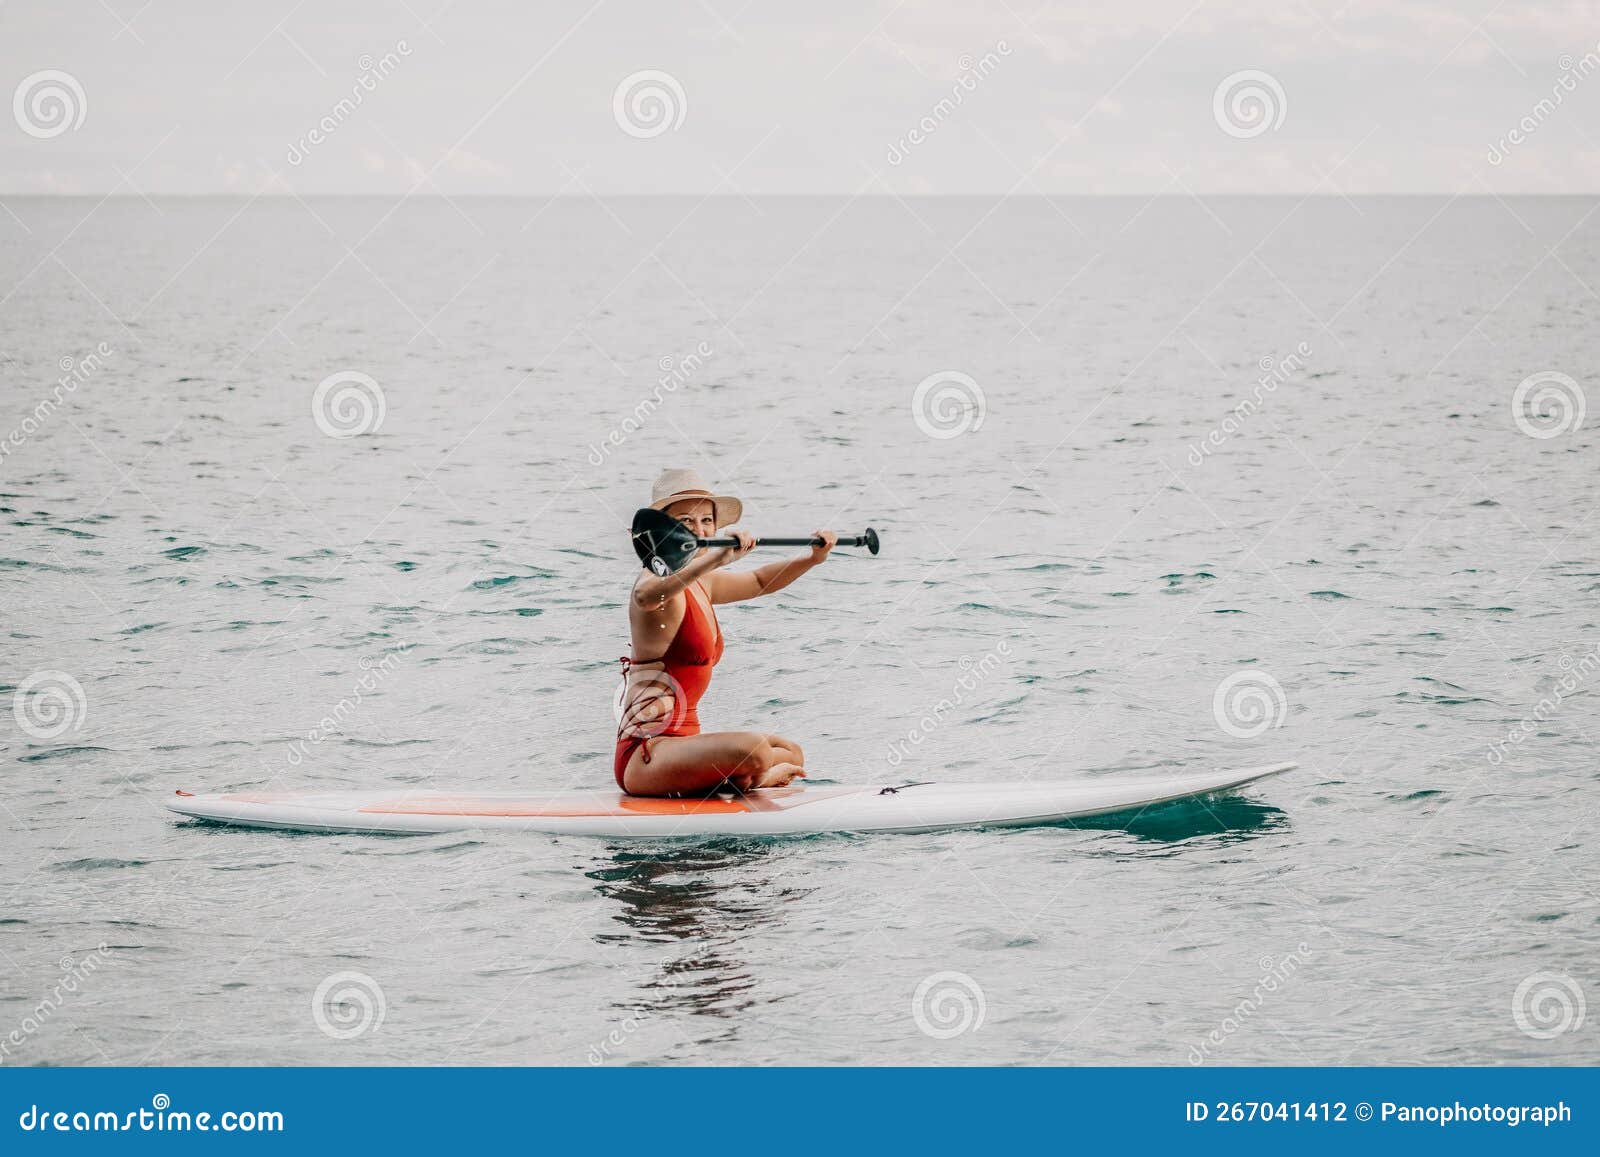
x,y
778,775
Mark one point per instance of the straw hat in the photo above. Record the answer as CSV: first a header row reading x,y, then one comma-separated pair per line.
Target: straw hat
x,y
679,485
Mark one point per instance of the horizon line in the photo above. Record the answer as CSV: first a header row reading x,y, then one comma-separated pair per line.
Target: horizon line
x,y
1167,195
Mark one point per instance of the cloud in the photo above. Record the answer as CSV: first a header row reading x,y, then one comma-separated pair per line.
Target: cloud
x,y
470,164
1127,88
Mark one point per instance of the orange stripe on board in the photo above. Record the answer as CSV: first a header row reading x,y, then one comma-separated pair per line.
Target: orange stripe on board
x,y
768,800
625,805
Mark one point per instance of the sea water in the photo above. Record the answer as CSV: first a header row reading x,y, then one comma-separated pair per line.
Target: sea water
x,y
333,493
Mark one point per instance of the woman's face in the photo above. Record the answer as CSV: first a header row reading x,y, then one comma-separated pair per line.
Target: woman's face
x,y
698,514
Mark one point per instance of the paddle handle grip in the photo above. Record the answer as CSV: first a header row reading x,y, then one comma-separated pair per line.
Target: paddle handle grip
x,y
868,540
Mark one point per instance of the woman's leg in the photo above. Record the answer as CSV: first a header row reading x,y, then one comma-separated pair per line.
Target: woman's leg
x,y
696,764
788,750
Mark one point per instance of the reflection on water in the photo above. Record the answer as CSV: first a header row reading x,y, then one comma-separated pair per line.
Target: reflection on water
x,y
696,905
1229,819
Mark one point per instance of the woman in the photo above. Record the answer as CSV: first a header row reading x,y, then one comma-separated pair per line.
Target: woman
x,y
661,750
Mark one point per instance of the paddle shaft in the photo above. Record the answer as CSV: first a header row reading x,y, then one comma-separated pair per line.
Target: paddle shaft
x,y
665,545
856,540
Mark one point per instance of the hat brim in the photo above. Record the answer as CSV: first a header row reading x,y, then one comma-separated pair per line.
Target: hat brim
x,y
729,509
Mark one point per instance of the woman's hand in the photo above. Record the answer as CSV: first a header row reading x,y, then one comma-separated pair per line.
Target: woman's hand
x,y
820,553
747,543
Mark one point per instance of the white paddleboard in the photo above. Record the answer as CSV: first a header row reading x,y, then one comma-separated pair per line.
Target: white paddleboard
x,y
796,810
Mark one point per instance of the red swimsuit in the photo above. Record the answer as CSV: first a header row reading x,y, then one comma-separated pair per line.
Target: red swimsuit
x,y
686,666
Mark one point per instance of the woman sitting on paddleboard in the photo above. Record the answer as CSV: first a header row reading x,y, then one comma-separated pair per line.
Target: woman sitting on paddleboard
x,y
676,641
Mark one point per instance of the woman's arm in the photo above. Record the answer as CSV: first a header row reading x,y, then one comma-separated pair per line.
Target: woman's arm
x,y
764,580
652,590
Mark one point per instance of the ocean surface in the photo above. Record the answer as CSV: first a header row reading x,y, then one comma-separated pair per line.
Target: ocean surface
x,y
1269,446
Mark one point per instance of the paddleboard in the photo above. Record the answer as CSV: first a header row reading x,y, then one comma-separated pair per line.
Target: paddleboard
x,y
796,810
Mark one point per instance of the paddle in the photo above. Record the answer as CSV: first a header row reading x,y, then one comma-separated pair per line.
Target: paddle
x,y
666,545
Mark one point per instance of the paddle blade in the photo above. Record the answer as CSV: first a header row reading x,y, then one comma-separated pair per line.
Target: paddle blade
x,y
662,543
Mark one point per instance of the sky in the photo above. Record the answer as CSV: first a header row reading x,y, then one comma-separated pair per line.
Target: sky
x,y
759,97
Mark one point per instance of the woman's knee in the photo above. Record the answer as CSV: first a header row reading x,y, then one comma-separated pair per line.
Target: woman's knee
x,y
755,750
787,748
